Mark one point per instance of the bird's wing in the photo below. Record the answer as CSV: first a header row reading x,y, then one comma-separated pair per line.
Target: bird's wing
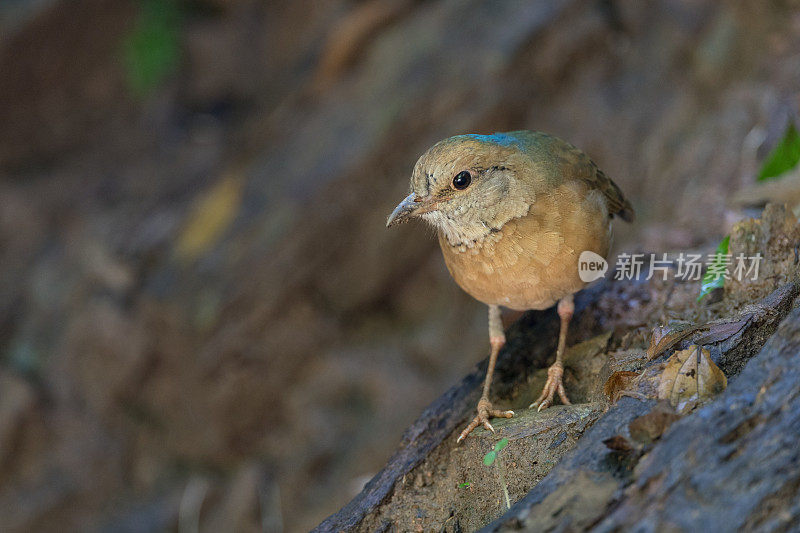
x,y
566,156
617,203
588,172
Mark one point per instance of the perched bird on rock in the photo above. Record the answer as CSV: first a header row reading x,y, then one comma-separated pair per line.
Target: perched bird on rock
x,y
513,212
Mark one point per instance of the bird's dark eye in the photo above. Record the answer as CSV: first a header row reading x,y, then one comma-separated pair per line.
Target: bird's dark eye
x,y
462,180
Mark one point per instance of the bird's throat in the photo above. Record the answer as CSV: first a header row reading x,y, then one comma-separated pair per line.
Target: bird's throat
x,y
471,228
461,235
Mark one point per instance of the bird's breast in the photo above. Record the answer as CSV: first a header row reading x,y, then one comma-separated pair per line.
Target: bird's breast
x,y
532,261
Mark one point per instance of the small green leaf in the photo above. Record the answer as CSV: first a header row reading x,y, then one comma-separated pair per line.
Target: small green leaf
x,y
784,156
714,278
464,485
502,443
489,458
152,48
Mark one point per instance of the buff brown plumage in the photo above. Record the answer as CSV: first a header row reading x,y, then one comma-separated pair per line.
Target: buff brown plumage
x,y
513,212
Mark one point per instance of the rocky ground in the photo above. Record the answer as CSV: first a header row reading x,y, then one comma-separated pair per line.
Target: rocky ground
x,y
202,316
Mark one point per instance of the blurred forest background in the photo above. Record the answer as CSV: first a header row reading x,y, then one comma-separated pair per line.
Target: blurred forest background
x,y
203,319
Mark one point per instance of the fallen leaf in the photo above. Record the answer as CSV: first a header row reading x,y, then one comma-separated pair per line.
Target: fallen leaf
x,y
210,216
720,331
689,378
618,382
665,337
659,332
618,443
648,428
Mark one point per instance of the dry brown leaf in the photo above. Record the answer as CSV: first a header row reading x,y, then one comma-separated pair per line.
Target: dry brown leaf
x,y
689,378
720,331
649,427
665,337
618,443
658,333
617,383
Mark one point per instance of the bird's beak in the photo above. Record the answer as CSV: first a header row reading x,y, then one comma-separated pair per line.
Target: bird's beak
x,y
410,207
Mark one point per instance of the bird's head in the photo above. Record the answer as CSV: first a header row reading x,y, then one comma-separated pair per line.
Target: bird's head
x,y
469,186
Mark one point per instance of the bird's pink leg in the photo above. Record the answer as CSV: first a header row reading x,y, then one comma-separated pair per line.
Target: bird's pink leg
x,y
497,339
566,308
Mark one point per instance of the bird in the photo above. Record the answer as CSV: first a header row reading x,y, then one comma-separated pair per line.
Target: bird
x,y
513,213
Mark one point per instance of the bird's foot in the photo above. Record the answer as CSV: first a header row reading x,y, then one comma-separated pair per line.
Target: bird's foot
x,y
485,412
554,384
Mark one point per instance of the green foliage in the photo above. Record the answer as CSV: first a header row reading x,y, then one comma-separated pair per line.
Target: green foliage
x,y
464,485
490,457
502,443
713,278
152,49
784,156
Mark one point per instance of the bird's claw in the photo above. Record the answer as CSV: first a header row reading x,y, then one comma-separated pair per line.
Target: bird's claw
x,y
554,384
485,412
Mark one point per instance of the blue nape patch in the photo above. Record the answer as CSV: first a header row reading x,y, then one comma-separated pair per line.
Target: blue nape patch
x,y
502,139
